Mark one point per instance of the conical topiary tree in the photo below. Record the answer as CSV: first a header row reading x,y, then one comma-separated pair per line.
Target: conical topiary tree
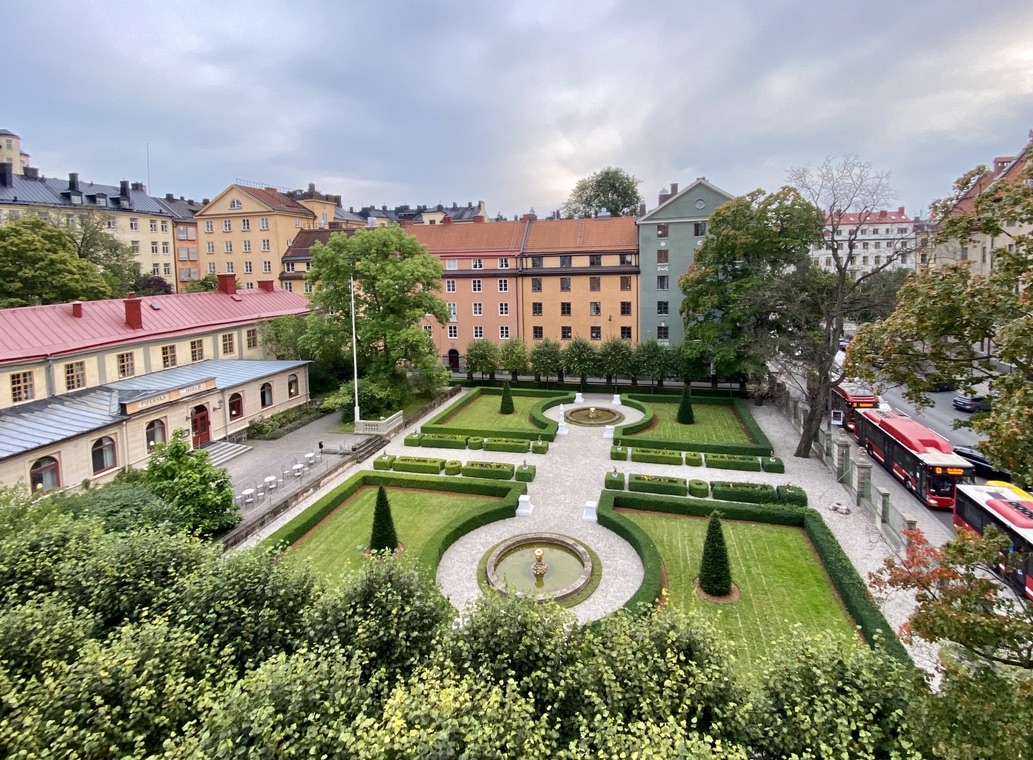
x,y
715,575
506,407
685,415
384,537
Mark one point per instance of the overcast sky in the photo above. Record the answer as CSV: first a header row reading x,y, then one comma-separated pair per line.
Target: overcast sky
x,y
511,103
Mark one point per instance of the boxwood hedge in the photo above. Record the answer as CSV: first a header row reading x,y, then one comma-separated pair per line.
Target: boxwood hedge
x,y
413,439
772,464
733,462
699,488
525,473
539,447
493,470
425,465
792,495
614,480
619,453
383,462
754,493
475,442
656,456
453,467
657,484
546,427
506,444
693,459
441,441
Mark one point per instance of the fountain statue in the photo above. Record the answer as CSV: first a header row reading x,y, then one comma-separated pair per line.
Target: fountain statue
x,y
591,412
539,568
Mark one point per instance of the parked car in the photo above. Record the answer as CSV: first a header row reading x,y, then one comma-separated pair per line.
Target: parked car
x,y
972,403
981,464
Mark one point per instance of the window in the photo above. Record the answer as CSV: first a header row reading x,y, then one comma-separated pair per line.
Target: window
x,y
235,203
428,330
475,286
662,308
595,333
595,260
595,308
197,350
44,475
293,387
229,267
663,256
297,223
75,375
156,269
537,262
536,309
307,288
210,246
103,454
537,332
154,247
503,286
478,332
227,225
536,284
247,267
565,309
263,223
265,244
477,264
154,225
166,269
661,282
964,253
452,264
625,308
450,286
252,337
288,286
661,230
625,283
209,226
503,332
594,283
699,229
565,261
168,356
245,225
565,284
134,224
627,259
504,263
227,343
164,226
267,267
565,333
112,224
155,433
135,245
266,393
236,406
503,309
288,266
165,248
626,333
246,246
662,332
453,331
22,386
478,309
227,246
211,267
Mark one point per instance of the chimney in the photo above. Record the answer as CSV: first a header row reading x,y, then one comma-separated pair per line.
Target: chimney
x,y
312,187
447,220
205,201
662,198
77,309
266,285
134,312
530,218
6,174
31,172
170,197
227,283
901,211
139,186
478,219
123,188
674,188
73,181
405,223
641,210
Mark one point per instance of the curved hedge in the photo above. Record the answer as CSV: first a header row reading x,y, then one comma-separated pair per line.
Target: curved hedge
x,y
648,591
438,424
635,427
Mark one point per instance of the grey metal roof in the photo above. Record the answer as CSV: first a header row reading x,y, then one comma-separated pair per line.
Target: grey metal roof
x,y
47,191
48,421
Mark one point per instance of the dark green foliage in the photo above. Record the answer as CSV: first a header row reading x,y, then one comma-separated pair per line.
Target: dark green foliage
x,y
425,465
383,462
453,467
507,444
383,537
693,459
715,573
539,447
733,462
413,439
656,456
619,453
685,415
772,464
493,470
699,488
525,473
442,441
792,495
656,484
753,493
377,397
506,406
614,480
123,506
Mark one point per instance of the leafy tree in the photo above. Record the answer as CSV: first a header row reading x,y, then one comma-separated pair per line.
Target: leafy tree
x,y
615,359
685,414
396,285
383,537
187,480
204,284
376,398
94,242
506,405
513,357
580,359
482,356
294,336
546,358
691,360
152,285
39,265
653,360
123,506
715,574
610,189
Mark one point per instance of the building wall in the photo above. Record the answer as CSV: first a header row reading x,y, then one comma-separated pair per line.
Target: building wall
x,y
188,254
490,323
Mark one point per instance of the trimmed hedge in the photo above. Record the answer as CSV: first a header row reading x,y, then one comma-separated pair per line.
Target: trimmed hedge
x,y
441,441
792,495
772,464
413,439
656,456
546,428
506,444
635,427
493,470
539,447
733,462
475,442
525,473
424,465
614,480
754,493
453,467
655,484
619,454
383,462
693,459
699,488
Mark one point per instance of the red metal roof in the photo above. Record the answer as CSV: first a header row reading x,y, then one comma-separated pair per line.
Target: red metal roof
x,y
916,436
440,239
34,332
881,216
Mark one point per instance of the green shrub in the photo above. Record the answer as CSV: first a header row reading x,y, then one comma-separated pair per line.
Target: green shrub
x,y
453,467
715,573
506,405
441,441
699,488
635,427
383,462
525,473
475,442
733,462
656,456
753,493
685,415
657,484
376,398
648,592
383,536
539,447
792,495
693,459
413,439
506,444
772,464
614,481
493,470
423,465
619,453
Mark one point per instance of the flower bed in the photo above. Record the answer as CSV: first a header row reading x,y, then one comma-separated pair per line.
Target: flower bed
x,y
453,467
750,493
657,484
413,439
525,473
614,481
539,447
422,465
699,488
383,462
506,444
494,470
693,459
443,441
733,462
619,453
772,464
656,456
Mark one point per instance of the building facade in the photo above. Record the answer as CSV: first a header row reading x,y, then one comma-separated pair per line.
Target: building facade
x,y
184,231
870,240
11,151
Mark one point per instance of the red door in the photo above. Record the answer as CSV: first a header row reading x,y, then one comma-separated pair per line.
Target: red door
x,y
199,431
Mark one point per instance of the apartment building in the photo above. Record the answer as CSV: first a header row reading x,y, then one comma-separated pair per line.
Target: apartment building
x,y
184,232
87,388
11,151
870,240
423,214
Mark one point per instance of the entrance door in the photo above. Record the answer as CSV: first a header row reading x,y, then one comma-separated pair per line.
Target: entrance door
x,y
200,433
453,359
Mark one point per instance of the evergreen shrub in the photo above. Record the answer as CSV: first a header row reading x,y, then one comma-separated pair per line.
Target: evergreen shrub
x,y
383,537
715,573
619,453
699,488
525,473
413,439
772,464
614,481
656,456
693,459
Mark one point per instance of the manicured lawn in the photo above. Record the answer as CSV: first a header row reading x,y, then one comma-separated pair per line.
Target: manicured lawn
x,y
781,580
483,413
336,544
714,424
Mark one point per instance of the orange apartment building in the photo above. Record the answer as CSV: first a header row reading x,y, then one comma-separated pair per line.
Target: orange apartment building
x,y
184,232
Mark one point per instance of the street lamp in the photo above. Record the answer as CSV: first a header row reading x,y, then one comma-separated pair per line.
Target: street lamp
x,y
355,353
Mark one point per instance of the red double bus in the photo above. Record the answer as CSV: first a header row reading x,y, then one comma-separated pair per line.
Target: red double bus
x,y
848,397
1010,510
918,457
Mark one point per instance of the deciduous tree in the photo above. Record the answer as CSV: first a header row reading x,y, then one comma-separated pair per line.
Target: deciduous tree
x,y
615,359
93,240
482,356
610,189
579,359
546,358
653,360
514,358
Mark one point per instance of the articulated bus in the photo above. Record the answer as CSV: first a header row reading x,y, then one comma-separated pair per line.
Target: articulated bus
x,y
1010,510
847,397
918,457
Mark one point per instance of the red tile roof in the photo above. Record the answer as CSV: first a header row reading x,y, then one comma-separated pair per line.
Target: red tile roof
x,y
276,200
619,233
870,217
34,332
470,238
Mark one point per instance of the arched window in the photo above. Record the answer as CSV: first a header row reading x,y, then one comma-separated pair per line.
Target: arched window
x,y
45,475
155,433
292,386
267,395
236,406
103,454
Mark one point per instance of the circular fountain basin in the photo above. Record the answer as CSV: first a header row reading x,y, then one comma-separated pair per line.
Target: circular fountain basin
x,y
570,567
593,416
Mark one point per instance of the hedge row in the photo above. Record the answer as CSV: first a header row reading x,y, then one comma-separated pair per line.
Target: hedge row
x,y
494,470
554,386
614,480
442,441
699,488
733,462
754,493
383,462
525,473
772,464
546,428
792,495
424,465
693,459
413,439
539,447
656,456
645,597
506,444
619,453
653,484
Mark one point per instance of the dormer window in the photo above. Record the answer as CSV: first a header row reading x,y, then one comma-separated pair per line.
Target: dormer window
x,y
102,200
235,203
76,200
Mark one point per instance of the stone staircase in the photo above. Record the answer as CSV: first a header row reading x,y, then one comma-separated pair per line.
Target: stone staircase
x,y
220,452
368,446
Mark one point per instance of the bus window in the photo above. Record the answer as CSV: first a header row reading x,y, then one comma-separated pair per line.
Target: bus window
x,y
940,486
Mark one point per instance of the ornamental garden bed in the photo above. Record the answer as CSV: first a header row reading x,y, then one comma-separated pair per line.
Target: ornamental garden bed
x,y
656,456
722,426
424,465
525,473
657,484
443,441
733,462
494,470
614,480
619,453
477,414
506,444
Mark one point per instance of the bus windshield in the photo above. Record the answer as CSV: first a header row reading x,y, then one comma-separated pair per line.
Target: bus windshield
x,y
940,486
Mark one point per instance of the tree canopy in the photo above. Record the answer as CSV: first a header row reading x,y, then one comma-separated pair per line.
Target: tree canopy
x,y
91,235
611,189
